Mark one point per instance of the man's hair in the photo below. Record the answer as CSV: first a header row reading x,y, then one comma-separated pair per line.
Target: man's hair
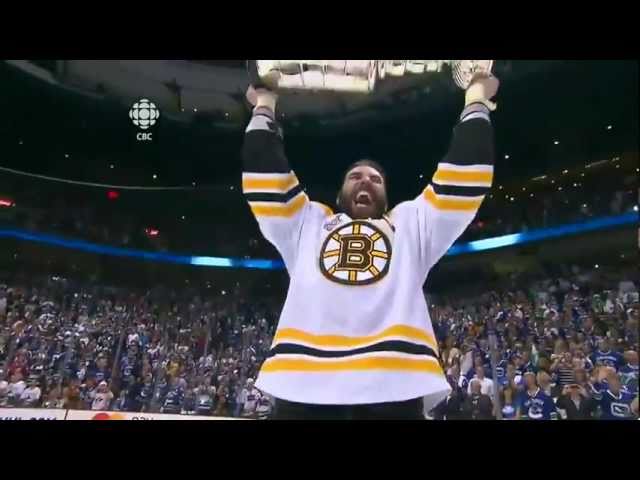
x,y
369,163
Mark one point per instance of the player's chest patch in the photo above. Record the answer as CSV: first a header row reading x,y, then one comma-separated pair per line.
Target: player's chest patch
x,y
357,253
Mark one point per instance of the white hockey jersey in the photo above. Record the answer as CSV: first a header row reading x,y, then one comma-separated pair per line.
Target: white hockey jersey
x,y
355,328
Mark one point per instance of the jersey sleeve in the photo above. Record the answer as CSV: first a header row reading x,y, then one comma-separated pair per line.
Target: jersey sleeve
x,y
275,196
450,202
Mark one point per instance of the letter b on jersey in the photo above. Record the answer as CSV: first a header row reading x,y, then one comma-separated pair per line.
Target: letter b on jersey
x,y
355,253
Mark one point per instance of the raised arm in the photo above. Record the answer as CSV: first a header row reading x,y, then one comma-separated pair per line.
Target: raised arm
x,y
450,202
275,196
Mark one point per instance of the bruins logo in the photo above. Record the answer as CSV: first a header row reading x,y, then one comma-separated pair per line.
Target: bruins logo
x,y
357,253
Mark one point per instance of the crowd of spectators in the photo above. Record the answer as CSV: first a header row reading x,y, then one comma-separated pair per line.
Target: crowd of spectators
x,y
502,216
63,345
566,347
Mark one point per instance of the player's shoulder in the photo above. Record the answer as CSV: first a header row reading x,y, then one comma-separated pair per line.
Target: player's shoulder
x,y
402,209
320,208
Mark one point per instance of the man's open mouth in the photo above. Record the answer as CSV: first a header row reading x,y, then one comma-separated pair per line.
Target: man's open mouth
x,y
363,198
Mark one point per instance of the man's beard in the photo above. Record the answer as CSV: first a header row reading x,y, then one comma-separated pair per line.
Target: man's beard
x,y
376,210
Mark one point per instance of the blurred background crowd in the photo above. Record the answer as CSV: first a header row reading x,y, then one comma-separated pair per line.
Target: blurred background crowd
x,y
571,338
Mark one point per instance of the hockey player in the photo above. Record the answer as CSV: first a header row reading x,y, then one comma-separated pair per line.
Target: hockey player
x,y
354,338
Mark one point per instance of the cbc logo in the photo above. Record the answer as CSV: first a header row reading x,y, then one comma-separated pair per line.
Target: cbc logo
x,y
357,253
144,114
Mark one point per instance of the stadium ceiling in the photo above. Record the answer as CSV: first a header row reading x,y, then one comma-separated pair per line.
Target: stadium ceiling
x,y
71,119
214,89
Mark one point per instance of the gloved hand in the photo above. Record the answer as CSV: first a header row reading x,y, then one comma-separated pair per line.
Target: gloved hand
x,y
482,89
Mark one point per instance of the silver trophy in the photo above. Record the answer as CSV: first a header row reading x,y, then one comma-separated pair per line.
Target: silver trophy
x,y
362,75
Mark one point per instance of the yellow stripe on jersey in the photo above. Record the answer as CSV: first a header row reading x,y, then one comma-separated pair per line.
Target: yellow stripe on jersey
x,y
444,202
352,276
462,177
356,229
374,271
379,254
375,237
427,365
331,253
272,209
278,183
412,333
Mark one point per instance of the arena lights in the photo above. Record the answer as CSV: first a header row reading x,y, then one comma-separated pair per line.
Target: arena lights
x,y
155,176
195,109
556,142
5,202
609,127
111,166
626,219
595,164
564,172
635,208
421,176
152,232
66,155
183,217
543,234
507,157
20,142
193,183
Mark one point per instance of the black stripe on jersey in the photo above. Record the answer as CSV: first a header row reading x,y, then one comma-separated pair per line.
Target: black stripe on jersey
x,y
263,152
472,143
387,346
457,190
274,197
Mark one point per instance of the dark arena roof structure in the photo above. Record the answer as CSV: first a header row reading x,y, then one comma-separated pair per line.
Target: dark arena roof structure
x,y
70,120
